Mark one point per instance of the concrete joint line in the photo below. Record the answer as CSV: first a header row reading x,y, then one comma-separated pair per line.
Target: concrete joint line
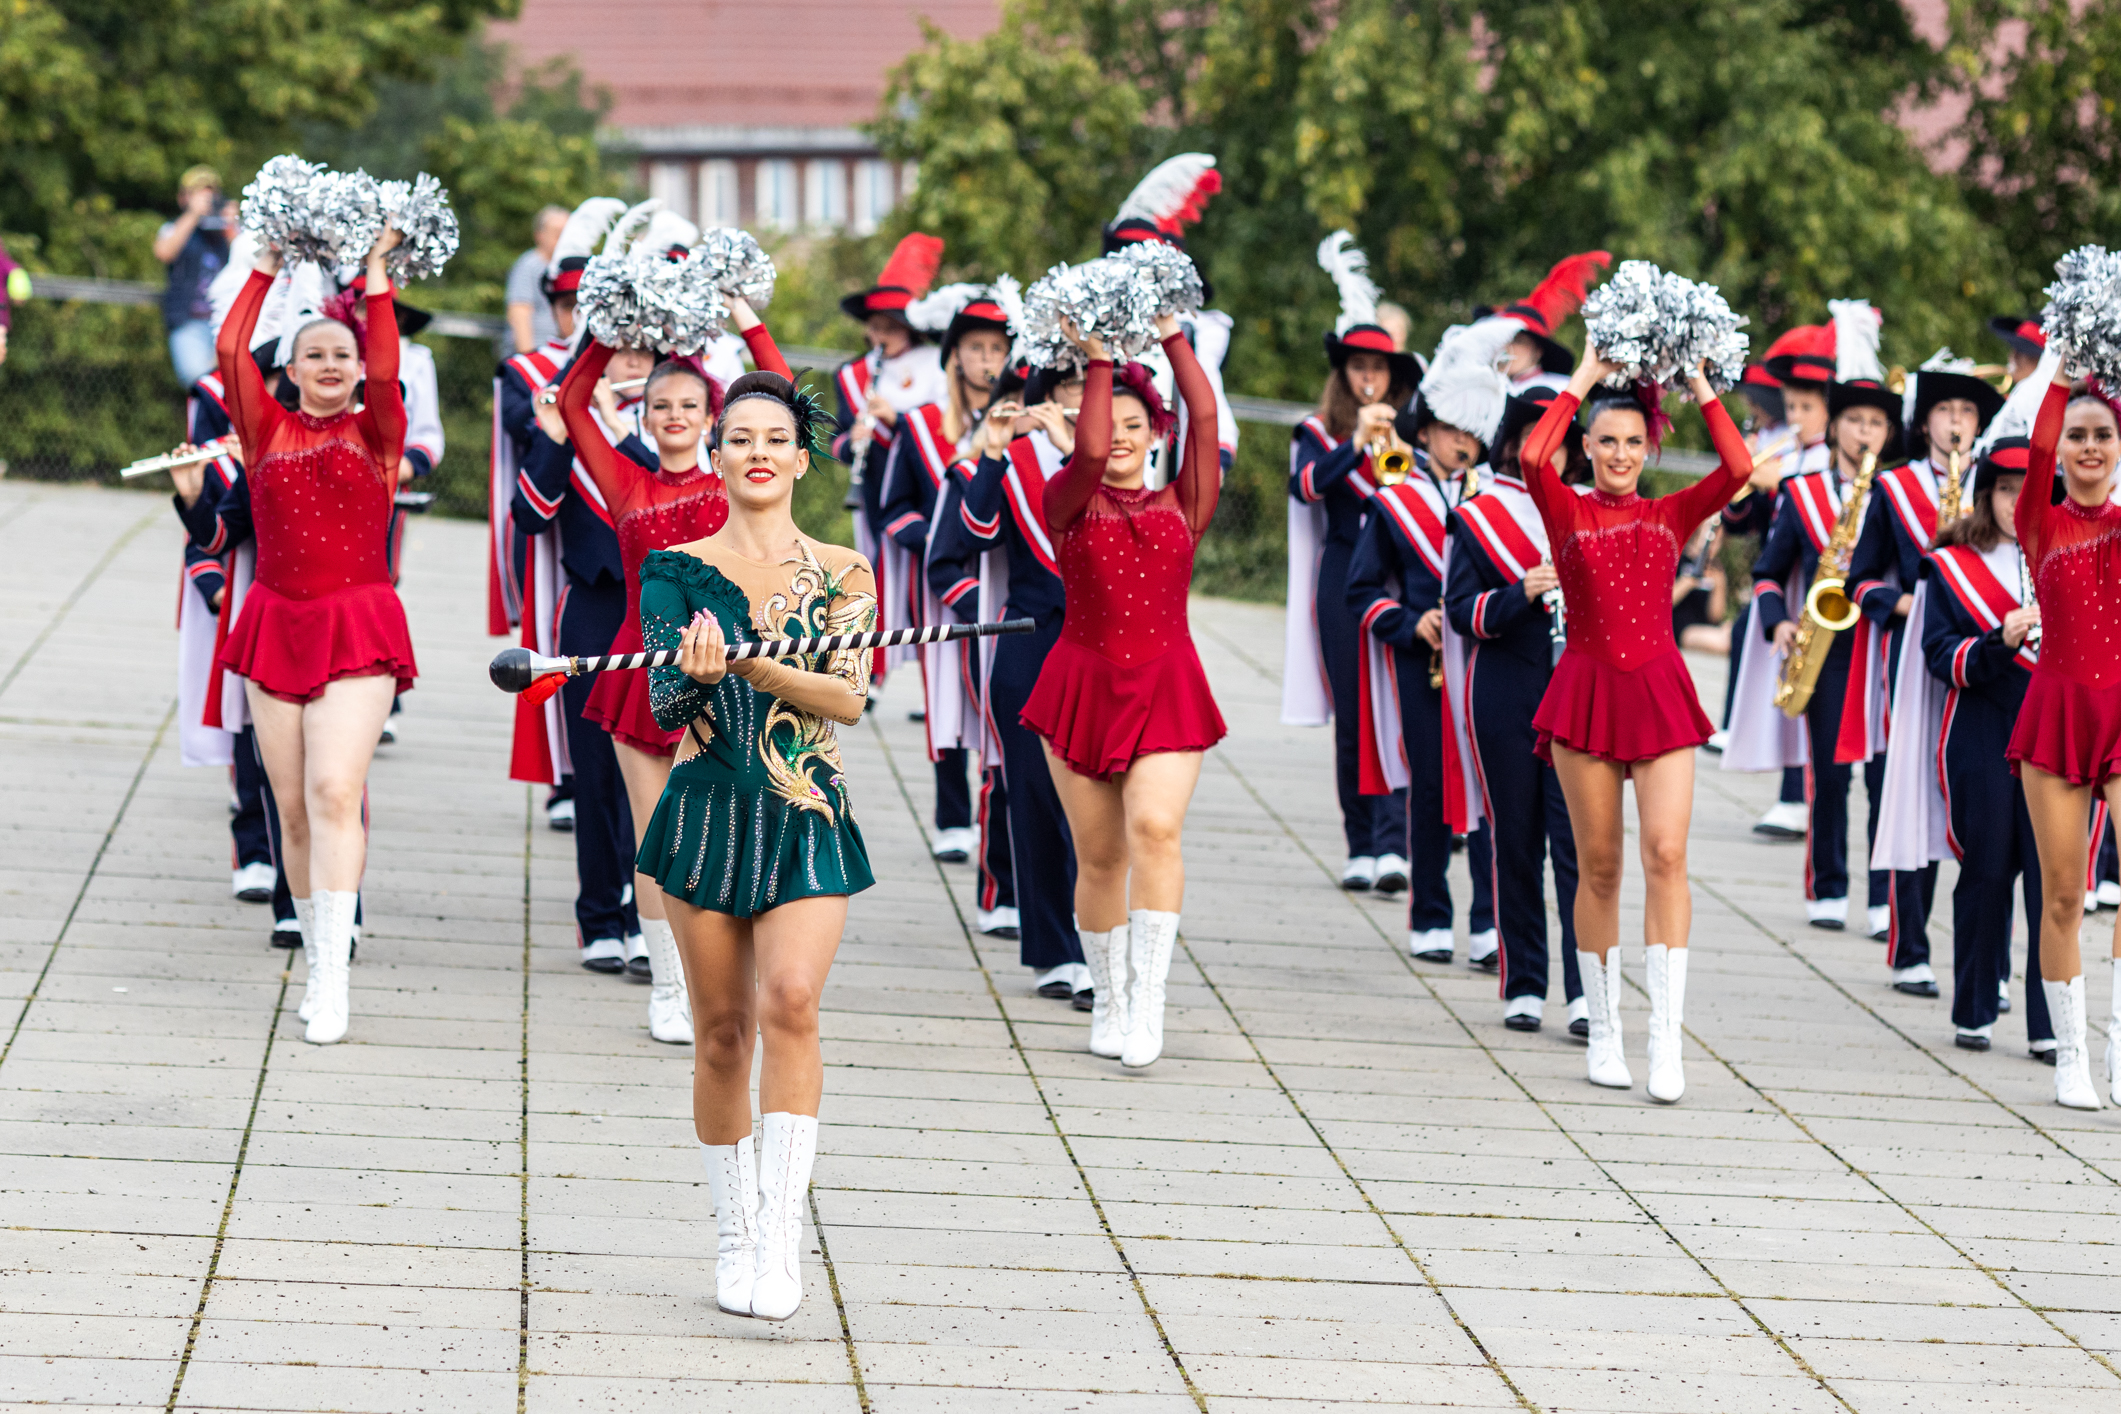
x,y
67,606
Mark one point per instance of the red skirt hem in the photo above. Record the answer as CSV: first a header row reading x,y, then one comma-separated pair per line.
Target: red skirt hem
x,y
1619,714
2068,729
1100,716
619,702
295,648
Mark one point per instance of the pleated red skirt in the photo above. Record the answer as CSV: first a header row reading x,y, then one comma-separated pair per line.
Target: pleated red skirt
x,y
1098,715
619,701
1619,714
295,648
2068,729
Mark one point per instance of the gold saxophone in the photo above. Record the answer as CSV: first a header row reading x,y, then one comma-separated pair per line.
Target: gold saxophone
x,y
1949,508
1828,610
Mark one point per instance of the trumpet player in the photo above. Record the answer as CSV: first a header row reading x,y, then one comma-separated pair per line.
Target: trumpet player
x,y
1334,470
1813,534
1945,407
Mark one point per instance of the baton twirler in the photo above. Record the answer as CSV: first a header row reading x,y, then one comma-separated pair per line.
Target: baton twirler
x,y
538,677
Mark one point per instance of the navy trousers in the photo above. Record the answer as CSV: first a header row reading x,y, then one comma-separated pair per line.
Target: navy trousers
x,y
1373,824
953,788
997,881
1827,869
1990,821
590,618
247,830
1428,835
1528,819
1041,851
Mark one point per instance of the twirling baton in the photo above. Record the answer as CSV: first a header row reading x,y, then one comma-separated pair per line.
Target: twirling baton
x,y
538,677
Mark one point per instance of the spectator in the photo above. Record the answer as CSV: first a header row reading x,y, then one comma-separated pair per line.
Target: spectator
x,y
195,248
530,323
14,285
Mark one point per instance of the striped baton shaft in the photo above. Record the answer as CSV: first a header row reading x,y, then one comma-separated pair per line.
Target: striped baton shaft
x,y
515,669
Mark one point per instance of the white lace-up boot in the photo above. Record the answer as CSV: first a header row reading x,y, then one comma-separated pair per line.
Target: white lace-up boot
x,y
1154,934
1667,969
2113,1032
733,1180
1604,1064
306,920
788,1145
332,924
1106,956
2073,1072
669,1008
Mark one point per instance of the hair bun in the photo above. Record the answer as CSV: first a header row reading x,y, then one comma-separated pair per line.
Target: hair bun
x,y
773,385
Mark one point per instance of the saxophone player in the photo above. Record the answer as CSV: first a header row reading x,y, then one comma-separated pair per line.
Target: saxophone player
x,y
1814,522
1945,406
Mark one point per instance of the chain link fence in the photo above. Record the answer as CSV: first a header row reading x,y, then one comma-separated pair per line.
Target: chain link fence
x,y
87,388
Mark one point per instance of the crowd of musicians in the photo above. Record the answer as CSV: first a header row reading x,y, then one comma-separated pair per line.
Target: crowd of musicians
x,y
1481,605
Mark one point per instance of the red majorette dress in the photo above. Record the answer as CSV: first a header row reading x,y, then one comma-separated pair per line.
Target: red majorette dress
x,y
321,490
2070,725
1124,680
649,510
1621,691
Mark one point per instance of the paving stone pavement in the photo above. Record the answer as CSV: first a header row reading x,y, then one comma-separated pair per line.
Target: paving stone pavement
x,y
1345,1183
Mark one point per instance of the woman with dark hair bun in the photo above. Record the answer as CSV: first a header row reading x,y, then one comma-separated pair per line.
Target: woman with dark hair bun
x,y
1122,700
678,500
1621,704
752,848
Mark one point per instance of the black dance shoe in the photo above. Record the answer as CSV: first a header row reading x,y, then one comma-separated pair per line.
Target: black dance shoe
x,y
1970,1041
1916,989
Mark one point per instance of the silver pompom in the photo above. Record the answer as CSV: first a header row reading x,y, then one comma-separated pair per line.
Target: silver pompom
x,y
2083,314
1170,273
1658,326
344,217
1112,298
276,203
420,210
646,301
1039,338
738,264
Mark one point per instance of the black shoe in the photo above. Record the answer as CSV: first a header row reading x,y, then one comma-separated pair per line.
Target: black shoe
x,y
1438,955
1968,1041
605,966
2003,1006
639,967
919,714
1056,991
1085,999
1829,925
1916,989
2046,1057
287,933
1491,964
1581,1026
1521,1022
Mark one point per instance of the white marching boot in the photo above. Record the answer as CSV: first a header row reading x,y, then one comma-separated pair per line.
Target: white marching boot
x,y
1603,1062
1154,934
788,1145
1106,956
1667,969
331,922
669,1008
306,920
2073,1072
733,1180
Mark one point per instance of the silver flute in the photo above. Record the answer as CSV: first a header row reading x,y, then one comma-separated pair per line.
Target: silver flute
x,y
1557,622
2026,598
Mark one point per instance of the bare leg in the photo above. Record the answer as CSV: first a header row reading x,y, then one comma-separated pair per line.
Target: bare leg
x,y
1097,818
795,945
645,776
1664,808
1155,793
280,744
719,974
2112,791
2061,813
339,734
1593,788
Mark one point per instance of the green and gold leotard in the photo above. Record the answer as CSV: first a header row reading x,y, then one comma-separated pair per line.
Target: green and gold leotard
x,y
756,811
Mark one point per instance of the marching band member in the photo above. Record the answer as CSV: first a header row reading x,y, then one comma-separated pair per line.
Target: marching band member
x,y
321,640
1122,700
1395,590
677,500
2067,743
1863,420
1944,408
1003,508
1332,476
753,839
2021,334
1621,704
1502,594
1536,358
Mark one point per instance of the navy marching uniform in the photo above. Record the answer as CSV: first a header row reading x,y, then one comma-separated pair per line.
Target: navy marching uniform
x,y
1495,539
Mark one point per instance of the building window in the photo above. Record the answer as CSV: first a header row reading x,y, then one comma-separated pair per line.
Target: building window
x,y
874,195
909,177
671,184
776,197
718,194
825,193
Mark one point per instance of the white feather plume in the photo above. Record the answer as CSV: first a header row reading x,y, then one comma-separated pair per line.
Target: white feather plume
x,y
1341,258
1010,296
932,312
1465,386
664,230
1942,361
1855,341
585,227
2015,418
622,232
1166,188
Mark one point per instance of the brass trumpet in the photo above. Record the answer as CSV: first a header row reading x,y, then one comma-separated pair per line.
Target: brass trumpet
x,y
1391,463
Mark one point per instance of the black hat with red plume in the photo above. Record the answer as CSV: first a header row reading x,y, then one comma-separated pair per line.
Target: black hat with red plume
x,y
579,238
2022,332
1550,304
1803,357
1357,330
1172,197
905,277
1859,378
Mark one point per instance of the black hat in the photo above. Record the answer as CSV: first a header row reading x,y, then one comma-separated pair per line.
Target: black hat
x,y
2006,456
1930,386
1520,412
1550,304
981,312
2022,332
1803,356
1374,338
1760,388
905,277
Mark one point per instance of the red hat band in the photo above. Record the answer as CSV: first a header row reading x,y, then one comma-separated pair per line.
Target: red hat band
x,y
1531,318
1808,368
1368,338
882,299
566,282
2011,454
985,309
2032,333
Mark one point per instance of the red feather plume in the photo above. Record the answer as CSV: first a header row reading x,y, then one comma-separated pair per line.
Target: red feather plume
x,y
913,263
1561,293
